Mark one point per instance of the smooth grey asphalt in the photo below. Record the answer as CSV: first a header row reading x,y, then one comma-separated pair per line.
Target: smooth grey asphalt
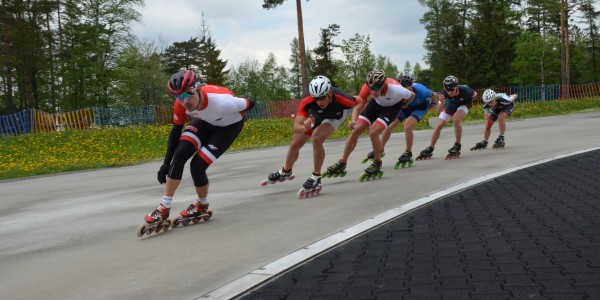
x,y
72,236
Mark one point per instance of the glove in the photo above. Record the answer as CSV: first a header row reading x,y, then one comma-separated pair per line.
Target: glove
x,y
251,104
162,174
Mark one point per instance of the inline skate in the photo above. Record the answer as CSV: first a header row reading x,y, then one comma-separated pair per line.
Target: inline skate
x,y
335,170
156,221
371,155
425,154
453,152
312,187
278,176
372,172
499,143
481,145
194,213
404,160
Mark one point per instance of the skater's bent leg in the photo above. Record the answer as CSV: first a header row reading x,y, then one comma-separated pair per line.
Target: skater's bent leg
x,y
359,128
409,125
502,122
298,141
437,131
457,119
385,136
374,133
198,169
488,129
321,133
182,154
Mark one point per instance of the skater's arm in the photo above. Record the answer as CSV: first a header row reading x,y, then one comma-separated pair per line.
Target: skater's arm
x,y
301,123
356,112
174,136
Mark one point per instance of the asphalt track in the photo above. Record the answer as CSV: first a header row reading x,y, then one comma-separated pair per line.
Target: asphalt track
x,y
72,236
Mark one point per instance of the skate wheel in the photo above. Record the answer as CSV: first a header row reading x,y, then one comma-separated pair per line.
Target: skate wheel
x,y
292,177
364,160
301,194
175,222
397,165
208,215
411,162
141,230
166,225
264,182
149,230
196,220
319,188
364,177
344,173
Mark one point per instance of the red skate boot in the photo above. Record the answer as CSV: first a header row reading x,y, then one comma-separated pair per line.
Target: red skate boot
x,y
195,213
156,221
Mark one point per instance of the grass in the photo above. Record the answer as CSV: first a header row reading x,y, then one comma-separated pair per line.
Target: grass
x,y
56,152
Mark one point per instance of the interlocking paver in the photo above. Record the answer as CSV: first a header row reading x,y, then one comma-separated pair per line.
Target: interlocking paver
x,y
532,234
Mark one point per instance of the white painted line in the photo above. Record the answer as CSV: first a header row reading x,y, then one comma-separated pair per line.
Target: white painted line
x,y
262,274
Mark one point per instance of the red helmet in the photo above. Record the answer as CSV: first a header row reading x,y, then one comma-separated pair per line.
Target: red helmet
x,y
182,81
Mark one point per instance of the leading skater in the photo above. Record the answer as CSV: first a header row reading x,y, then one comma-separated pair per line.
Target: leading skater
x,y
217,118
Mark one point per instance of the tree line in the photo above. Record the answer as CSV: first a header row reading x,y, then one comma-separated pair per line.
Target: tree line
x,y
62,55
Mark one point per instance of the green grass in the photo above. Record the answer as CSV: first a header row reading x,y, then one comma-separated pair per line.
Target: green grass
x,y
55,152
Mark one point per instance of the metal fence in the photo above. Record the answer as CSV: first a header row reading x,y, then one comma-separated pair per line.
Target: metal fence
x,y
34,120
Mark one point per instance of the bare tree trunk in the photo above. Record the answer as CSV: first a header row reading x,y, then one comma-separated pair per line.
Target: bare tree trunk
x,y
7,66
303,71
564,53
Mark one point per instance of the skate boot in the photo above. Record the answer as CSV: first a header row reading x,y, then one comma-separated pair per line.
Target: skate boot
x,y
426,154
481,145
278,176
370,156
335,170
312,187
453,152
156,221
404,160
194,213
372,172
499,143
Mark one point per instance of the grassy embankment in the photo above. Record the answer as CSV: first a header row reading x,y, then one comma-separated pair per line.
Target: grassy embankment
x,y
55,152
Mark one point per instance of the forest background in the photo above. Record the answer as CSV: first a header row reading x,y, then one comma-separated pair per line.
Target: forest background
x,y
63,55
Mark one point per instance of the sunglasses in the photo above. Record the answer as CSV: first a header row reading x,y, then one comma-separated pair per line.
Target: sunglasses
x,y
184,96
376,88
188,94
321,98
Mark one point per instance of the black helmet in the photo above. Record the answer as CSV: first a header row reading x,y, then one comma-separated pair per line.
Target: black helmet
x,y
406,80
450,82
376,79
182,81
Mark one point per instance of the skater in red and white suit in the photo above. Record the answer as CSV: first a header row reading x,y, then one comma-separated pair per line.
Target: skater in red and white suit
x,y
217,118
320,114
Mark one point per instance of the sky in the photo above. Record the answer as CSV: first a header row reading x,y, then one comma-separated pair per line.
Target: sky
x,y
243,30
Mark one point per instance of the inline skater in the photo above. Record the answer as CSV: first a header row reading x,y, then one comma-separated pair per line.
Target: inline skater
x,y
411,116
217,118
385,97
457,100
319,115
496,107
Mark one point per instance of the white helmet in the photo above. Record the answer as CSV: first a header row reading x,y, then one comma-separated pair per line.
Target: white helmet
x,y
489,96
319,86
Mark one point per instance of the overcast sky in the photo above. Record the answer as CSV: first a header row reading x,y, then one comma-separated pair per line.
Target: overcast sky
x,y
242,29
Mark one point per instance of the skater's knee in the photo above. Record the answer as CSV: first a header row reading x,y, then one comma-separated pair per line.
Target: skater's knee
x,y
198,169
